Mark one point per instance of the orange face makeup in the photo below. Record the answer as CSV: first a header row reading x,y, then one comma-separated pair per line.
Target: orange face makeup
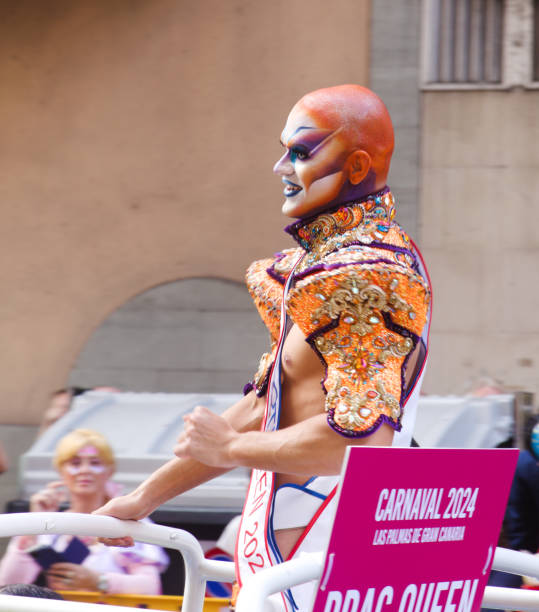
x,y
311,168
322,133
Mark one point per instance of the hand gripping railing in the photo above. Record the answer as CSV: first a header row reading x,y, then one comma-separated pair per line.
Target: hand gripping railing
x,y
197,569
258,587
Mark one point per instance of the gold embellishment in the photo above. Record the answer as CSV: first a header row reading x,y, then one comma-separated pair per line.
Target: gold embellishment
x,y
354,409
356,302
265,362
391,402
391,346
284,265
365,221
358,363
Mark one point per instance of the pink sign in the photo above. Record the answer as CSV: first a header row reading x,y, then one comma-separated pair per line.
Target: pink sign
x,y
415,529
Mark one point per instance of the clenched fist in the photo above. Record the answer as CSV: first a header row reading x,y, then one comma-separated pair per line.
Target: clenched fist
x,y
208,438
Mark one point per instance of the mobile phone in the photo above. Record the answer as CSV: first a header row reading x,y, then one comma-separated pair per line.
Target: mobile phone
x,y
76,551
46,556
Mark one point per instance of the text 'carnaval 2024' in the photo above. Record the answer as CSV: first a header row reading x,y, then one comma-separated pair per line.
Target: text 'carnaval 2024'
x,y
426,504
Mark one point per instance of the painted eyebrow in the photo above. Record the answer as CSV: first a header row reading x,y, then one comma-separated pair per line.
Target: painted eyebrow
x,y
302,127
329,135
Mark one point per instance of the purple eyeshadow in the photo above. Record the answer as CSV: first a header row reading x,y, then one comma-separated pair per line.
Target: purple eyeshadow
x,y
309,139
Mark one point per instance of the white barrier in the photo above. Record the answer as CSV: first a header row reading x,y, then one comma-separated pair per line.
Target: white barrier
x,y
258,587
10,603
197,569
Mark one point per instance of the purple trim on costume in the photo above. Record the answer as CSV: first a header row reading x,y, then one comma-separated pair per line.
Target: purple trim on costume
x,y
271,272
362,434
417,373
390,247
248,387
335,266
396,249
406,333
293,228
404,388
261,391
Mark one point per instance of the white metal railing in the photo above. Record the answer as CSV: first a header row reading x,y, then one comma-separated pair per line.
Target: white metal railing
x,y
258,587
197,569
10,603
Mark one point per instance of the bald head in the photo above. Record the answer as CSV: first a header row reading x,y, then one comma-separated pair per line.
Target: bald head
x,y
362,117
338,144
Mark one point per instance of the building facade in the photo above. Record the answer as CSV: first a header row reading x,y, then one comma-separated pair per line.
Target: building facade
x,y
138,142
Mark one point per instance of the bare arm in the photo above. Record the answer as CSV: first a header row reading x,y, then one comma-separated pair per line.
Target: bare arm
x,y
306,448
181,474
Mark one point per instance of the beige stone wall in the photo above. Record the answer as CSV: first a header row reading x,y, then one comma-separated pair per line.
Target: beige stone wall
x,y
137,144
480,237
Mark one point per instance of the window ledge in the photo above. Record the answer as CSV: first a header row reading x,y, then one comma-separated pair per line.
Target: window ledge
x,y
477,86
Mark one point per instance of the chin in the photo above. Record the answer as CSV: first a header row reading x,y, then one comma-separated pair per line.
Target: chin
x,y
296,208
290,209
86,488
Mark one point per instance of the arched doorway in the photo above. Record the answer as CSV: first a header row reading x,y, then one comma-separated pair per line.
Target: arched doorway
x,y
191,335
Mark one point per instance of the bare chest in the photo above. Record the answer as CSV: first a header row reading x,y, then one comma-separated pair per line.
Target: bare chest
x,y
302,375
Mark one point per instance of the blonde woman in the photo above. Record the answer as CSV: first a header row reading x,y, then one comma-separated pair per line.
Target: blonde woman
x,y
85,463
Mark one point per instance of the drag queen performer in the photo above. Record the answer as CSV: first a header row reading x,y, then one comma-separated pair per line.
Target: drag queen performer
x,y
348,315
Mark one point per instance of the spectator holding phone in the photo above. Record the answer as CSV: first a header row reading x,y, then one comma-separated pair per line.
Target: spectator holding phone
x,y
85,462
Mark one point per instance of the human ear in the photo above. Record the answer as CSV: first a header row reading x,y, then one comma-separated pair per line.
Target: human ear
x,y
357,166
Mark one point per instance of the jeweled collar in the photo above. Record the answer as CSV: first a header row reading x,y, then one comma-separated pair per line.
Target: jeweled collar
x,y
368,218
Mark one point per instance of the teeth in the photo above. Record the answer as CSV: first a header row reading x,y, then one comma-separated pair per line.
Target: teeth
x,y
291,189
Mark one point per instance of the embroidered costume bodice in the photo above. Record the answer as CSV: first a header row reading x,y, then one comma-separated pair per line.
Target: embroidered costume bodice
x,y
362,303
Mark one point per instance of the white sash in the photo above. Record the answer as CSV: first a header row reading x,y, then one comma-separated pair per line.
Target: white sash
x,y
255,547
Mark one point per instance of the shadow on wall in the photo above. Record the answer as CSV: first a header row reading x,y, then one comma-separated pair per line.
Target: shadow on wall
x,y
192,335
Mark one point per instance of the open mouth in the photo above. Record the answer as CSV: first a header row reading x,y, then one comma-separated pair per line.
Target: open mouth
x,y
290,189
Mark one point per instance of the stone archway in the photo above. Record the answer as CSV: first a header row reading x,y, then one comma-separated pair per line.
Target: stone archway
x,y
191,335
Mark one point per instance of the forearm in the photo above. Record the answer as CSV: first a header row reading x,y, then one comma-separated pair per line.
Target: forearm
x,y
307,448
181,474
173,478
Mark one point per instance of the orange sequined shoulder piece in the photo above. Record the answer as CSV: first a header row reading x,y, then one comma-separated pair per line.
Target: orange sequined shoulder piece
x,y
362,309
265,280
